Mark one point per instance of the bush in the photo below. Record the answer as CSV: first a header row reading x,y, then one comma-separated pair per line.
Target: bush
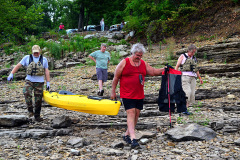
x,y
90,62
115,58
54,50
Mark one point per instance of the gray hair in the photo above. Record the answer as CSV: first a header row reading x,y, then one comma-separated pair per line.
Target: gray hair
x,y
191,47
103,44
138,47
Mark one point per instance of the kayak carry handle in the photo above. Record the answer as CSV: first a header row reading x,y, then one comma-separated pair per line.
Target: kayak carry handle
x,y
95,97
66,92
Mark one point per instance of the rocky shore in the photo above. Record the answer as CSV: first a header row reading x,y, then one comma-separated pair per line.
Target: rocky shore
x,y
212,132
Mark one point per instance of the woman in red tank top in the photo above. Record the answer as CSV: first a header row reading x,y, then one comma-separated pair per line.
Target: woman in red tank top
x,y
131,72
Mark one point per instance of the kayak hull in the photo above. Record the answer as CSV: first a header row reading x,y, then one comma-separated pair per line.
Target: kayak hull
x,y
81,103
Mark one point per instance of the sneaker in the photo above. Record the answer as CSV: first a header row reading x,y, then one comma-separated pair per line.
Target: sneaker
x,y
38,119
98,93
135,144
187,113
101,93
127,139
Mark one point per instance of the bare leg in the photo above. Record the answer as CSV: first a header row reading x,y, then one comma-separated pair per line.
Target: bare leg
x,y
132,118
100,83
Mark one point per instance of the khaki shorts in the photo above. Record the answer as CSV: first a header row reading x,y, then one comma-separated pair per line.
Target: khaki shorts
x,y
189,85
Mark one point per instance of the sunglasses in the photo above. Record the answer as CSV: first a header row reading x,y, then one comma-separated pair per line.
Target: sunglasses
x,y
141,79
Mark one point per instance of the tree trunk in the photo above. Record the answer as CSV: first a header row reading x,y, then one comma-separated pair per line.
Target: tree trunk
x,y
81,18
87,20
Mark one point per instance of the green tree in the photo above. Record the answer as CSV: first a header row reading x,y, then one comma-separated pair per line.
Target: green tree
x,y
17,20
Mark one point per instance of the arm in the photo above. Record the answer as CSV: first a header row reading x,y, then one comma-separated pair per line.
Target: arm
x,y
179,62
109,58
198,75
153,71
117,75
16,68
47,75
92,58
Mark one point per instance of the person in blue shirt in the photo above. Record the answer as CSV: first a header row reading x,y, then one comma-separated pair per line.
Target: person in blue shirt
x,y
37,67
101,58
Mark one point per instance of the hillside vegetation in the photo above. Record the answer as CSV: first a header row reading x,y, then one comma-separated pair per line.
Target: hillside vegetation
x,y
152,20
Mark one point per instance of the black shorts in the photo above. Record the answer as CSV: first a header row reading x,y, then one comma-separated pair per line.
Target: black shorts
x,y
132,103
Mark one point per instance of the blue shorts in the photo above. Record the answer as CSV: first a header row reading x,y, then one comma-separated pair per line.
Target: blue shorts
x,y
132,103
102,74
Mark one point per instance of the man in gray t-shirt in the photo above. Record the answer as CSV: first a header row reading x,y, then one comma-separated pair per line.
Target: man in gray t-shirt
x,y
37,67
101,58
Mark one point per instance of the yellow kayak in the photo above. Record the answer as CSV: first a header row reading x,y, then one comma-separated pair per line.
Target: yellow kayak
x,y
81,103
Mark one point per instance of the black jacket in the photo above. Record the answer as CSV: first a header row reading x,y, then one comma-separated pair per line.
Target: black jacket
x,y
177,95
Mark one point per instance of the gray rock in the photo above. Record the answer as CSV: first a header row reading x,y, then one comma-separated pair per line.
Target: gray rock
x,y
13,120
134,157
121,47
89,36
237,142
123,53
145,134
218,125
144,141
191,132
34,133
118,36
5,71
111,152
117,144
75,152
71,64
61,122
76,142
230,129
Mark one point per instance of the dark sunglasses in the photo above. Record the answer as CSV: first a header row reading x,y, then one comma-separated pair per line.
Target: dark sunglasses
x,y
141,79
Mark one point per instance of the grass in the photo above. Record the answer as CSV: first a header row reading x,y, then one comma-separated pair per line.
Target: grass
x,y
160,47
170,49
149,42
8,65
62,87
12,86
180,120
197,116
205,55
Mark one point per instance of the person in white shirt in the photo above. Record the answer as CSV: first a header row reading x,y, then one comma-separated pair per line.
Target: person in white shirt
x,y
102,24
37,67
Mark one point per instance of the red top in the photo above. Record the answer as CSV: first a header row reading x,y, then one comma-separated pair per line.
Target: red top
x,y
61,26
130,86
173,71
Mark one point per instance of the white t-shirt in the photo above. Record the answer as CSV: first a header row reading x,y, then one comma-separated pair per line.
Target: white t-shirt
x,y
25,63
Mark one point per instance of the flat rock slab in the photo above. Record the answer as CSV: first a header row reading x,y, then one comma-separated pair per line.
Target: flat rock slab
x,y
190,132
13,120
34,133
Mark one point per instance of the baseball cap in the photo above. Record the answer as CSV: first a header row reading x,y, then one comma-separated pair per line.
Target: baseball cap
x,y
36,48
